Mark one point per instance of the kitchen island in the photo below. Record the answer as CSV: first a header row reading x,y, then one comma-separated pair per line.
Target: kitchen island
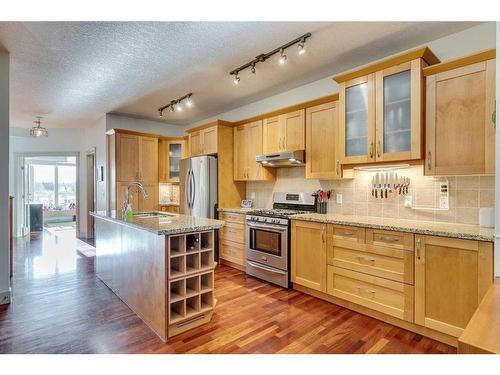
x,y
161,265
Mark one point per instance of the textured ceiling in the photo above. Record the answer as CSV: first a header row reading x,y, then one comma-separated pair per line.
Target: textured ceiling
x,y
73,72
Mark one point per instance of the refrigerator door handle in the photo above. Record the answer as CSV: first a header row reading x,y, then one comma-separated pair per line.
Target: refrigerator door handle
x,y
193,188
188,190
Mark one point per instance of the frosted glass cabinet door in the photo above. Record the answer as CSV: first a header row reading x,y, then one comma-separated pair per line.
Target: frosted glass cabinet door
x,y
174,158
356,120
397,112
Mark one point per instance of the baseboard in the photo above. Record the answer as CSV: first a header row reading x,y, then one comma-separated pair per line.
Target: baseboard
x,y
5,297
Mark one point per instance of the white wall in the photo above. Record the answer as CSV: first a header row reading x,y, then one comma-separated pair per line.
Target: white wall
x,y
4,176
114,121
466,42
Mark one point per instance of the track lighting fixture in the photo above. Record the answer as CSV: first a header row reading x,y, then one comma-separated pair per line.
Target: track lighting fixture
x,y
300,41
282,57
176,105
301,49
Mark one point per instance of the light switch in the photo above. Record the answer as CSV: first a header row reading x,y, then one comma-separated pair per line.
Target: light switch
x,y
408,201
252,195
339,198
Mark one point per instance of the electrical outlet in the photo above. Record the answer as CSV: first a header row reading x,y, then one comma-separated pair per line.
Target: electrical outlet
x,y
444,196
408,201
252,195
339,198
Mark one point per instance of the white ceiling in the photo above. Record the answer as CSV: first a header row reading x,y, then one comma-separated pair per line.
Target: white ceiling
x,y
74,72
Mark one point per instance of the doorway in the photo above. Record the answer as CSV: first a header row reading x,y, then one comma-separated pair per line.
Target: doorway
x,y
91,192
48,187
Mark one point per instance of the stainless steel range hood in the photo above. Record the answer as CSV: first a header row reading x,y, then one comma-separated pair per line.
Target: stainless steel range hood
x,y
282,159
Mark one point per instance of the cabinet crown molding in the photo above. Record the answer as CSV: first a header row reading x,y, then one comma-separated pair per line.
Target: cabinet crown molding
x,y
423,53
460,62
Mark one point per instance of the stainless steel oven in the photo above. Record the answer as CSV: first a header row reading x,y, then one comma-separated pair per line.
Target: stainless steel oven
x,y
267,248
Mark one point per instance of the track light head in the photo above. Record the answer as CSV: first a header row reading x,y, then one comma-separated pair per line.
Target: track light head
x,y
161,113
236,79
301,49
282,57
172,108
189,102
253,69
178,107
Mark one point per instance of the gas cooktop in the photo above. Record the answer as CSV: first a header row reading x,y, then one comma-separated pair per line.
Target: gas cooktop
x,y
276,212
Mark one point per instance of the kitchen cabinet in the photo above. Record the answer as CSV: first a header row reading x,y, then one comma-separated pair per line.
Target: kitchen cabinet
x,y
203,141
247,145
451,278
381,107
380,115
322,160
308,254
137,158
170,153
460,107
232,240
285,132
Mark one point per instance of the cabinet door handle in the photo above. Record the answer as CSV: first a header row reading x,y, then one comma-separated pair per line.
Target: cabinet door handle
x,y
337,167
371,150
429,162
379,147
364,260
323,234
362,290
418,244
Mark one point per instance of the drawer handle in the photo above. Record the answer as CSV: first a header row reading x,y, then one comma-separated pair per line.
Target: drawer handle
x,y
388,239
347,233
362,290
364,260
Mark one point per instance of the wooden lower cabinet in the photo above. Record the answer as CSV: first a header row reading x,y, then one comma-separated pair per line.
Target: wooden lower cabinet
x,y
308,252
387,296
169,208
232,240
451,278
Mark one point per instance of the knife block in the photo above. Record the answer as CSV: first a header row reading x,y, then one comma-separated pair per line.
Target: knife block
x,y
321,207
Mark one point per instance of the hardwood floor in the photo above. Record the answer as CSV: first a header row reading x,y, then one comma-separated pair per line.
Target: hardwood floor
x,y
60,306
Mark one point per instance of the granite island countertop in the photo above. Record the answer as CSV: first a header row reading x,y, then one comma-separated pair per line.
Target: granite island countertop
x,y
443,229
166,224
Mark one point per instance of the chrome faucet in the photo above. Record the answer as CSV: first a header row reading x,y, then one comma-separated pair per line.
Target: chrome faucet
x,y
127,195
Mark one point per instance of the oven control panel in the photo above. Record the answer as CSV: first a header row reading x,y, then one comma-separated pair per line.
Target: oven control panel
x,y
267,220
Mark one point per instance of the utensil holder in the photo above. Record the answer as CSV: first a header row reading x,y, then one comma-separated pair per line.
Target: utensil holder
x,y
321,207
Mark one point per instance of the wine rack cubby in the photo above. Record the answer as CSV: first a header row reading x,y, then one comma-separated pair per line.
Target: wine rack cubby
x,y
190,275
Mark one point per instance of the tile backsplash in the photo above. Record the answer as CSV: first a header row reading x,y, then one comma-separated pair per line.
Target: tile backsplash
x,y
169,193
467,195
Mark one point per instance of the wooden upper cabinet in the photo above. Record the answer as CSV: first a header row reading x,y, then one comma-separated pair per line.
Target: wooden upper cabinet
x,y
381,109
357,120
272,136
398,123
203,141
451,277
240,152
293,129
247,145
209,140
148,159
195,143
285,132
170,153
321,142
308,254
127,157
460,103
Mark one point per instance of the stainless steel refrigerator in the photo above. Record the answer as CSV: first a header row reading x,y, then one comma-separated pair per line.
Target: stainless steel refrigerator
x,y
198,190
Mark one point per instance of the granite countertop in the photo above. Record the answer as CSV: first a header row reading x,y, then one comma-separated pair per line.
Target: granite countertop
x,y
236,210
166,224
464,231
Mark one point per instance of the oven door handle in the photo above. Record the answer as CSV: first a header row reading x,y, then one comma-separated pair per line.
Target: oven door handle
x,y
267,227
265,268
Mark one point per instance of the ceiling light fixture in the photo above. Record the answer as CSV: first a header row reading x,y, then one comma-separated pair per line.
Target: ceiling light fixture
x,y
38,130
300,41
176,104
301,48
282,57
